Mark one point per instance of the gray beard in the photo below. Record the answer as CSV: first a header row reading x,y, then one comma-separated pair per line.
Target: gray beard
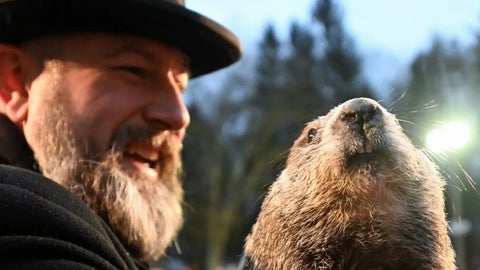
x,y
145,216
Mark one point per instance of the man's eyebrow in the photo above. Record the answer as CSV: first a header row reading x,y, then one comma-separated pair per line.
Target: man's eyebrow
x,y
125,49
147,55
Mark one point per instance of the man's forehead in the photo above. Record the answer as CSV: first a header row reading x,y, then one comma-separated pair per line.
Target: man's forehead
x,y
105,40
109,46
152,51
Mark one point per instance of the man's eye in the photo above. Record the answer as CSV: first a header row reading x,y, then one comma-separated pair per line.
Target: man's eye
x,y
138,71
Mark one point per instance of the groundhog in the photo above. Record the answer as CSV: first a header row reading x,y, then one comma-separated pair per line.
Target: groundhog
x,y
355,194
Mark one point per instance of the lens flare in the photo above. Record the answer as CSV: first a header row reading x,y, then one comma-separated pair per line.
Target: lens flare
x,y
451,136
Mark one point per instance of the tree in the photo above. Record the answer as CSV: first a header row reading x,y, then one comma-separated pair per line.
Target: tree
x,y
440,81
340,65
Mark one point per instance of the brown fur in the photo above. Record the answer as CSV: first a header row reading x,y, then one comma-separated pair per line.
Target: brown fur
x,y
355,195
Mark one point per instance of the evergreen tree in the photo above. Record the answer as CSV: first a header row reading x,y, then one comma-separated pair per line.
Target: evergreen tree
x,y
340,65
440,81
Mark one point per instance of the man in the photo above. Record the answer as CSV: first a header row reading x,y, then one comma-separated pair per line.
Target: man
x,y
91,98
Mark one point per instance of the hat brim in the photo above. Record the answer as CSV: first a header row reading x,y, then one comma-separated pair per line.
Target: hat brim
x,y
209,45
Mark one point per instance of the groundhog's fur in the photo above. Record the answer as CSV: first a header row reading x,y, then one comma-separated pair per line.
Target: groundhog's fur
x,y
355,194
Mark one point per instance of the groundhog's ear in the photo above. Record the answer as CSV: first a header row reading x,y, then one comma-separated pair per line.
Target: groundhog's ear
x,y
13,94
309,133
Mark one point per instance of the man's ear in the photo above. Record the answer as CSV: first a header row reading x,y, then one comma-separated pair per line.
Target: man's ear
x,y
13,94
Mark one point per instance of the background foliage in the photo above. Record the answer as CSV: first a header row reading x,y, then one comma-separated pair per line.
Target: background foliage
x,y
243,126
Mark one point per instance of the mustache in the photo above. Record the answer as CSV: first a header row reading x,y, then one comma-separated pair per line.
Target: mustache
x,y
138,133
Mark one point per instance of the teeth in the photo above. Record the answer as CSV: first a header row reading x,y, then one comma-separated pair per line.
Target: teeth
x,y
361,149
144,152
368,146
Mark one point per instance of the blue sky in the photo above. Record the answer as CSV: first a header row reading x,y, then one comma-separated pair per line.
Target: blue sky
x,y
388,33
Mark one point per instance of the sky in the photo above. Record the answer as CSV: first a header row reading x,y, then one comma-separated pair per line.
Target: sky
x,y
387,33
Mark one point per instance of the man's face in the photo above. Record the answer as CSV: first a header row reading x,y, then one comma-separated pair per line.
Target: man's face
x,y
106,119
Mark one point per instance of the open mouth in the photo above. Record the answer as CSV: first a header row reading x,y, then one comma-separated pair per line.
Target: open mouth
x,y
142,155
373,157
366,148
140,159
368,153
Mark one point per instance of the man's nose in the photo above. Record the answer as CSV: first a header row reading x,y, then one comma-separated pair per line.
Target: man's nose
x,y
167,109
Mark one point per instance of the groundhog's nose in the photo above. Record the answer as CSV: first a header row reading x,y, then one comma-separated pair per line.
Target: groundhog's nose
x,y
359,111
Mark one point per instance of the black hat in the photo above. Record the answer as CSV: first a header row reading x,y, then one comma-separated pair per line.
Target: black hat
x,y
209,45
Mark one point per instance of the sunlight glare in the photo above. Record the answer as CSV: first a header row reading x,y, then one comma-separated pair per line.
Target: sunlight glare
x,y
449,137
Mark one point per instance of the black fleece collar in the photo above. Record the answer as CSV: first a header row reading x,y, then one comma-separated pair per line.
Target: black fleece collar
x,y
14,149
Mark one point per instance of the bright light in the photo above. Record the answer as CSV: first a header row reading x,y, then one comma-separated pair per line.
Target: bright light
x,y
449,137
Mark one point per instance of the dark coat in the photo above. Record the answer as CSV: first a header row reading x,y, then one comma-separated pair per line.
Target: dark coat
x,y
42,225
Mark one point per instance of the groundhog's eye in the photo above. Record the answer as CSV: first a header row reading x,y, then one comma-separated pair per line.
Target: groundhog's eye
x,y
311,134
